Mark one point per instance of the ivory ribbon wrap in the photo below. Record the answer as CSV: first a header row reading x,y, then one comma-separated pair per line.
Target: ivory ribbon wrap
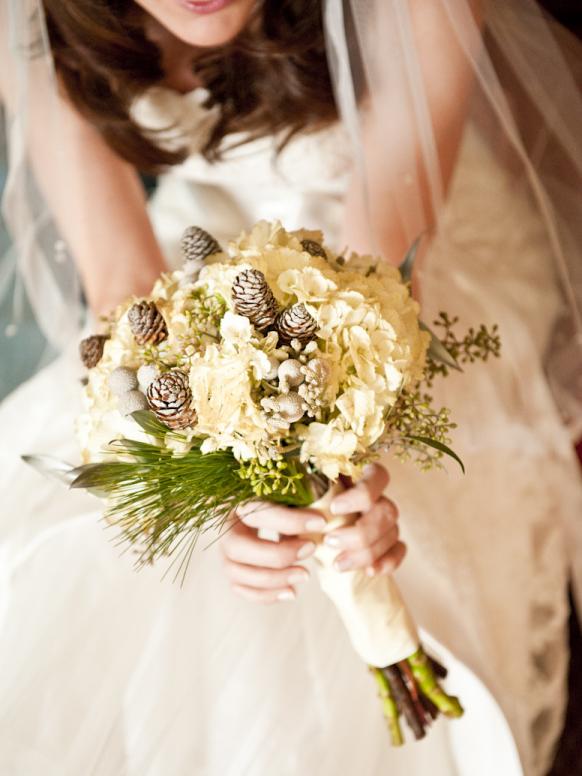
x,y
372,608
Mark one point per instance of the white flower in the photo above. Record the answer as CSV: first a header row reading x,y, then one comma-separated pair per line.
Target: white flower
x,y
329,448
235,328
222,397
362,414
307,285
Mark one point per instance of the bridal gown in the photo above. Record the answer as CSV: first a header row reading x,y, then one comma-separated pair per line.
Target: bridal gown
x,y
110,672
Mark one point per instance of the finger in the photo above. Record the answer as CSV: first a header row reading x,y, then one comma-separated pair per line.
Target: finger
x,y
348,561
389,562
368,529
362,496
265,579
265,596
244,546
285,520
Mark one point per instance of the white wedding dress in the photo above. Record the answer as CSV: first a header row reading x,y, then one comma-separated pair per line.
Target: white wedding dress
x,y
109,672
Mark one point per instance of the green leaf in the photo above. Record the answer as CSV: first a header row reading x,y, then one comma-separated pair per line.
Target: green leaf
x,y
149,423
437,350
438,446
91,477
407,266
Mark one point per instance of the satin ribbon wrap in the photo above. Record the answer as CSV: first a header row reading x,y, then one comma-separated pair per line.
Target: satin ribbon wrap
x,y
372,609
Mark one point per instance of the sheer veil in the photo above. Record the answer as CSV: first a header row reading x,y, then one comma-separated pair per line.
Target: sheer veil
x,y
515,78
35,265
508,71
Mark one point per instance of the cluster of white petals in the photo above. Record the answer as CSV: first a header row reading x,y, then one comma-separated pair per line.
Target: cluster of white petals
x,y
367,330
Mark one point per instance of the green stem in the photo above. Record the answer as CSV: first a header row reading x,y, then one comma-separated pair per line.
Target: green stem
x,y
429,686
388,706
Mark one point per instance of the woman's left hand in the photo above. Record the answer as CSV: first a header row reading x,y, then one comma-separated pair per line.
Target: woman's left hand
x,y
372,542
267,571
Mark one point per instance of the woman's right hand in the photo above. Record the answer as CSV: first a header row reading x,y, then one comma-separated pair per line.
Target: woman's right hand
x,y
269,571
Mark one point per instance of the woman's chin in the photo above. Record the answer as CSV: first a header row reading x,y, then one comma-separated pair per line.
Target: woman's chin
x,y
201,23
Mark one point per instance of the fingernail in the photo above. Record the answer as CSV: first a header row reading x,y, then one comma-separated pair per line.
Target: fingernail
x,y
315,524
369,469
297,577
306,550
370,571
332,541
343,564
338,506
248,508
286,595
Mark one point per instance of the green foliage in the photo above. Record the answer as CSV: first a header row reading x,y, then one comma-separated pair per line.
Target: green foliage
x,y
417,431
148,422
477,345
439,446
282,480
204,314
162,500
407,266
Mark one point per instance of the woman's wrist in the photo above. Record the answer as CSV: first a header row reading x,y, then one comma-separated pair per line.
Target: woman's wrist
x,y
104,298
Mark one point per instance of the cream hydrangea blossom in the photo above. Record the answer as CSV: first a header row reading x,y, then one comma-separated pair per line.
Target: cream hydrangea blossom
x,y
368,335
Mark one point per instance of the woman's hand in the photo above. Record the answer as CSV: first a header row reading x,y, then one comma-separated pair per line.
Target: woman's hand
x,y
268,571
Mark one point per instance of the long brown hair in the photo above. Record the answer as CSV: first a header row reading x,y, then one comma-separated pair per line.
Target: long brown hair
x,y
273,79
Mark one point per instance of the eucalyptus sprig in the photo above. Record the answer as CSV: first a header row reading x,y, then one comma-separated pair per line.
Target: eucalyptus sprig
x,y
418,431
281,480
476,345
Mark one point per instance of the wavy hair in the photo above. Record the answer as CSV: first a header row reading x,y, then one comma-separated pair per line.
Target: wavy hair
x,y
272,80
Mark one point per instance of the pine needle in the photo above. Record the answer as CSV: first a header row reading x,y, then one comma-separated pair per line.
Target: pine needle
x,y
162,501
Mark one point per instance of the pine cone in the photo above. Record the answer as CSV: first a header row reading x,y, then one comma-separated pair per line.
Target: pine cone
x,y
170,398
91,349
313,247
147,323
254,299
296,323
197,244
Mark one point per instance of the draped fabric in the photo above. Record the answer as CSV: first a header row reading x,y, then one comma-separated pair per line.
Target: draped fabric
x,y
409,76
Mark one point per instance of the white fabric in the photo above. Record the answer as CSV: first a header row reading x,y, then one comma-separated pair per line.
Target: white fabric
x,y
372,609
108,672
396,65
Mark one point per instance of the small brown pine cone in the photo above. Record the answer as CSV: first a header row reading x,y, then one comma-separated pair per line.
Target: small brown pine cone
x,y
197,244
253,298
296,323
170,398
147,323
313,247
91,349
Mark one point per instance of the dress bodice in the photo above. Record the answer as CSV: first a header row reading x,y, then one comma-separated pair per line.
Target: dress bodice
x,y
303,185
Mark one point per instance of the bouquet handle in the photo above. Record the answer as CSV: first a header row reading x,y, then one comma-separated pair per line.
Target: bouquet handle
x,y
372,609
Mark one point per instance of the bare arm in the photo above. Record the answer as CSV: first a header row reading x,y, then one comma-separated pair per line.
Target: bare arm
x,y
390,137
100,209
97,200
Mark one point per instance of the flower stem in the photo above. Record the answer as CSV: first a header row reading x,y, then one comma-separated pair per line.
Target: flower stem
x,y
389,706
429,686
415,719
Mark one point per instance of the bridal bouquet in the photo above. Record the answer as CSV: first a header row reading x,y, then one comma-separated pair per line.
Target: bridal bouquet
x,y
274,370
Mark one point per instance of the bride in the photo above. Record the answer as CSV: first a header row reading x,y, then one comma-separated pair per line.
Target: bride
x,y
409,128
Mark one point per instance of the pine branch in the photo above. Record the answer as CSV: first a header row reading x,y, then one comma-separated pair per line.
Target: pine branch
x,y
162,501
